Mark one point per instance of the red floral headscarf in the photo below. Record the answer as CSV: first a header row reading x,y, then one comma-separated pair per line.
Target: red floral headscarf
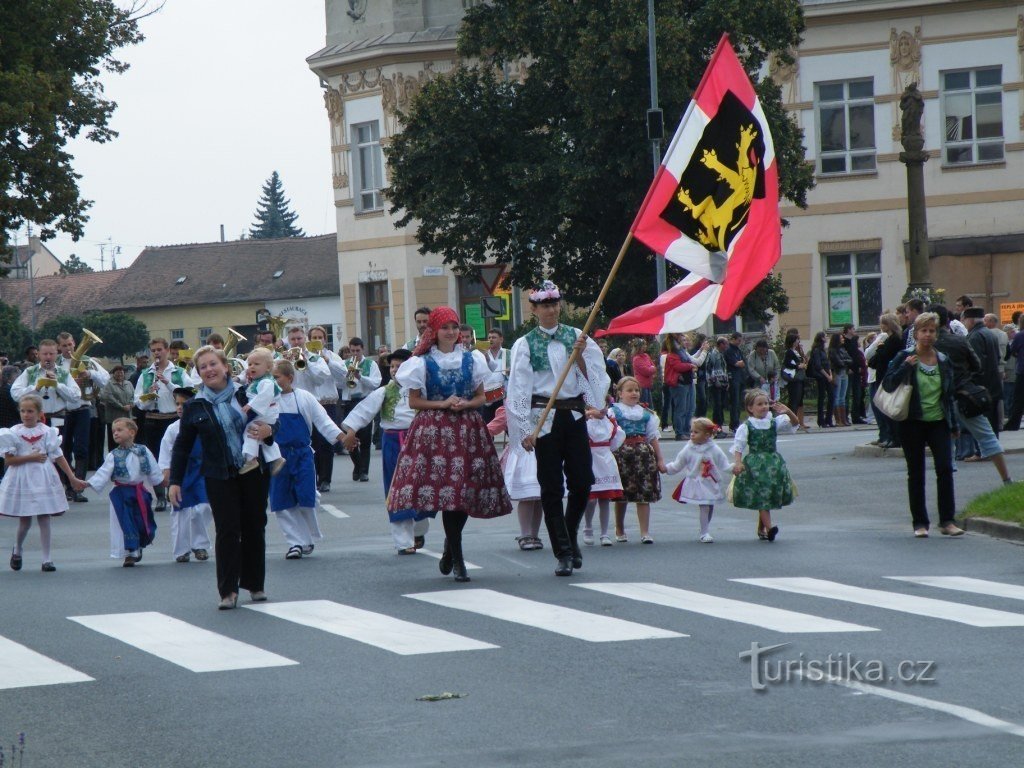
x,y
438,316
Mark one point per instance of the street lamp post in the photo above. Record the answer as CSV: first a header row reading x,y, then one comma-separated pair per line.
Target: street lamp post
x,y
655,125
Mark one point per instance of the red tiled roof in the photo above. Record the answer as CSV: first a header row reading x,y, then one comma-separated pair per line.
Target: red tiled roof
x,y
60,294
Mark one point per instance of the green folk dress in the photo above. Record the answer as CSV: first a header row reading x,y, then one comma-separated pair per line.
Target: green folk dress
x,y
765,482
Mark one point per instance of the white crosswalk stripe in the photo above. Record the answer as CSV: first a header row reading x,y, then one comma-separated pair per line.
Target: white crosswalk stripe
x,y
966,584
178,642
722,608
553,618
333,511
377,629
21,667
893,601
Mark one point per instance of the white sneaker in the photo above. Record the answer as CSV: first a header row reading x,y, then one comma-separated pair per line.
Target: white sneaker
x,y
606,540
706,538
588,537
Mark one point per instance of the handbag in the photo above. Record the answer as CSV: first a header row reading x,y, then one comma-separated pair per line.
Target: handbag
x,y
973,400
895,404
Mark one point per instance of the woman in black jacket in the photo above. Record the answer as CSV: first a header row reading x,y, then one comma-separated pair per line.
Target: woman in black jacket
x,y
932,421
794,372
841,363
820,370
888,430
239,501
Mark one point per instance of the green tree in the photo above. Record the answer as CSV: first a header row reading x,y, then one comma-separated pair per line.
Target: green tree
x,y
273,217
52,53
74,266
547,174
14,335
122,334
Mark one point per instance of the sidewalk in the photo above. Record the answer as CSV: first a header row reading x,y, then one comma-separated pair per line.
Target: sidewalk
x,y
1012,442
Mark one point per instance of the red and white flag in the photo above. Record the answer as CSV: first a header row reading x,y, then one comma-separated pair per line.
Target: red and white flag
x,y
713,207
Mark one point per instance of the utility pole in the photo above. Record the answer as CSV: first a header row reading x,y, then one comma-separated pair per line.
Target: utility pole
x,y
655,126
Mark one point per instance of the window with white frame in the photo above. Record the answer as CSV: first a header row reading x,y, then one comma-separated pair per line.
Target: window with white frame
x,y
203,333
177,334
845,113
368,166
853,288
972,111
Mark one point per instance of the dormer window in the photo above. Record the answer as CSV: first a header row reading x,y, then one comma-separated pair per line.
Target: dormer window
x,y
181,280
278,273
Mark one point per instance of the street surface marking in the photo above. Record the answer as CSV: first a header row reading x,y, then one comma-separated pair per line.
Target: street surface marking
x,y
437,556
721,608
964,713
333,510
876,598
180,643
966,584
553,618
21,667
395,635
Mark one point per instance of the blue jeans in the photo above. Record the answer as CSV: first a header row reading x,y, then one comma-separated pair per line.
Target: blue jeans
x,y
886,432
682,410
840,385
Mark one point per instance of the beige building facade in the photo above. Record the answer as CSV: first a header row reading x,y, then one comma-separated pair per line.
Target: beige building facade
x,y
376,59
844,257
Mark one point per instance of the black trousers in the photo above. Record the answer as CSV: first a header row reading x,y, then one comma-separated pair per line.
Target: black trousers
x,y
856,396
152,435
826,398
1017,407
323,458
361,455
564,451
935,434
239,507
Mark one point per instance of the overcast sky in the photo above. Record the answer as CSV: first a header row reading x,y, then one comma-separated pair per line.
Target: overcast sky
x,y
217,98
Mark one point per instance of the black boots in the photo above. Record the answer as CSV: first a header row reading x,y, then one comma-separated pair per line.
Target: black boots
x,y
564,566
452,562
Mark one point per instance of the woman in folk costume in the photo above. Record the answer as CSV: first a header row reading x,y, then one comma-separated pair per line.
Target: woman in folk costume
x,y
408,526
448,462
129,466
563,446
293,494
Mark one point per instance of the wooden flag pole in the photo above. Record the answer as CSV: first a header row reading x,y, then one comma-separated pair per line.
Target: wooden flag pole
x,y
586,329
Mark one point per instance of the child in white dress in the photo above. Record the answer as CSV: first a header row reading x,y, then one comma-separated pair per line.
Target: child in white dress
x,y
704,465
605,437
31,487
520,470
128,467
263,405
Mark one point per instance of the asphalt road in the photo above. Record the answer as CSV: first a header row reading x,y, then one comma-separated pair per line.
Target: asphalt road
x,y
556,690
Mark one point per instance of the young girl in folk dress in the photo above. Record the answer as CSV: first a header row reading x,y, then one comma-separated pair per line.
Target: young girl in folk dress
x,y
520,470
703,465
762,479
605,438
448,462
639,459
31,486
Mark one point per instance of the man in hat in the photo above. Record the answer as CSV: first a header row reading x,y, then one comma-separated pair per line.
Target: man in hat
x,y
563,446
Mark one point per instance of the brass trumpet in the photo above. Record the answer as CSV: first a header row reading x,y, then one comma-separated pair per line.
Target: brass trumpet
x,y
298,357
350,378
234,337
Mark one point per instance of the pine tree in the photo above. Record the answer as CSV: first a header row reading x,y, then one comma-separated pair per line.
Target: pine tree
x,y
273,217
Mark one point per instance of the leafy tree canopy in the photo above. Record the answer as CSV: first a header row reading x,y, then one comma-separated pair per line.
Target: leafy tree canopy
x,y
74,266
14,335
546,175
52,53
122,334
273,215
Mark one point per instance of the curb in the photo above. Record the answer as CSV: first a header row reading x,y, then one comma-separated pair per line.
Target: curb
x,y
999,529
874,451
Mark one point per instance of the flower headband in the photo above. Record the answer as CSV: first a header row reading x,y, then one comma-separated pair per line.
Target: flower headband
x,y
548,292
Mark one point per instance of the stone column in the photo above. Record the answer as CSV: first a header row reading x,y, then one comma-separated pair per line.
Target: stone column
x,y
914,157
